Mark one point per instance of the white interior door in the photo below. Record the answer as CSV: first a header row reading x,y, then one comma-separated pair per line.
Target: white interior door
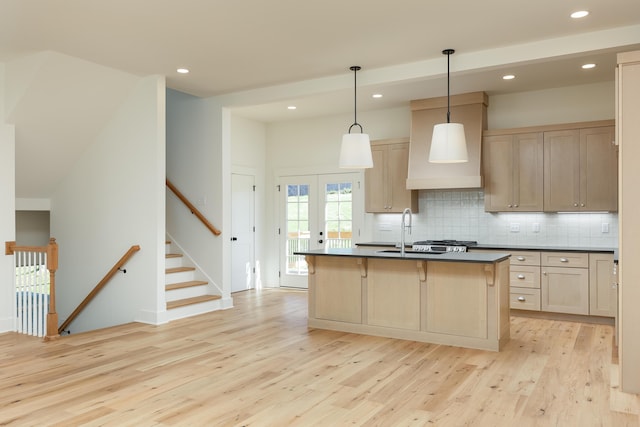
x,y
318,211
242,232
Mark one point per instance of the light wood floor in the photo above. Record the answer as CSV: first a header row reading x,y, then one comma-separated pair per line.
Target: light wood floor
x,y
258,365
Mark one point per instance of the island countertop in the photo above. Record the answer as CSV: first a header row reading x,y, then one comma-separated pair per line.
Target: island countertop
x,y
473,257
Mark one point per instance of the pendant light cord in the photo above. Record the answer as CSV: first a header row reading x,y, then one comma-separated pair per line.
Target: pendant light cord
x,y
448,52
448,93
355,69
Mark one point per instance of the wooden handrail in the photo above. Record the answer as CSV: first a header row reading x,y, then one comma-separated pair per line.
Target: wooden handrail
x,y
99,287
52,265
193,209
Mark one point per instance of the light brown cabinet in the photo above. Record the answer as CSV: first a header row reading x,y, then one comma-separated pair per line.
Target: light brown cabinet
x,y
385,183
565,282
580,170
562,282
603,290
524,280
554,168
513,172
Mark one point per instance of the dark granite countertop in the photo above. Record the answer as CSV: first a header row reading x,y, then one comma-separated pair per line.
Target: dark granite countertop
x,y
485,258
510,247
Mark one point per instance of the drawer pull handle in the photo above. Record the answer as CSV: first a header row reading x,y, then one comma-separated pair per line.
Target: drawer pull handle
x,y
521,258
564,260
522,299
520,276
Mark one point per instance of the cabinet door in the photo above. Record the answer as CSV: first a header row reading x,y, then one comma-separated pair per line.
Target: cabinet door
x,y
336,289
528,177
513,172
565,290
497,160
599,169
562,170
603,293
397,169
375,178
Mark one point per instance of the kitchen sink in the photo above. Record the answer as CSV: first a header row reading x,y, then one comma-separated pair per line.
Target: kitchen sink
x,y
408,251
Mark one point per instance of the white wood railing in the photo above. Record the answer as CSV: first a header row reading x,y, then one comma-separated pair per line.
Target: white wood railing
x,y
35,289
31,288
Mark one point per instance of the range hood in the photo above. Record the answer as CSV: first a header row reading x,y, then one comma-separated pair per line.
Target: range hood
x,y
469,109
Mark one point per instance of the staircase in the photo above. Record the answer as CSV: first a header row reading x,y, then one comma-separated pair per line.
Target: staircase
x,y
186,295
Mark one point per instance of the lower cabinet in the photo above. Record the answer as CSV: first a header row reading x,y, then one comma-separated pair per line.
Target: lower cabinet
x,y
562,282
338,294
603,289
525,299
393,295
565,282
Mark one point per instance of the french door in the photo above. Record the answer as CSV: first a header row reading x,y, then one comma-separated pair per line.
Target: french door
x,y
317,212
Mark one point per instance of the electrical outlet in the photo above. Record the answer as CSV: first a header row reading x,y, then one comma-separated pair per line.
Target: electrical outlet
x,y
535,227
384,226
605,227
514,227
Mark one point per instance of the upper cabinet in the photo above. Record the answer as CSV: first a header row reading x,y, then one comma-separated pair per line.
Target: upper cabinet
x,y
385,183
513,172
469,109
556,168
581,170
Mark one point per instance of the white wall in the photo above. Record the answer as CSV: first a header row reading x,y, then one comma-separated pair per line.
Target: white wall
x,y
195,165
313,145
32,228
571,104
111,199
248,157
7,209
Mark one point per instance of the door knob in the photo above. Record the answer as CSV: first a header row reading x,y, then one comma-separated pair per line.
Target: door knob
x,y
320,241
233,239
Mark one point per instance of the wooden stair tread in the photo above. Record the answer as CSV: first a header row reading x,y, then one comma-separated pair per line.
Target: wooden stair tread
x,y
173,255
178,269
182,285
190,301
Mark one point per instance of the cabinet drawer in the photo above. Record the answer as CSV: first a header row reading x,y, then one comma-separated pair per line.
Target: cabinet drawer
x,y
524,298
525,258
524,276
565,259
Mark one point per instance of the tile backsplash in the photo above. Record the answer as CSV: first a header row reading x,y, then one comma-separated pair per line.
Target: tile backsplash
x,y
460,215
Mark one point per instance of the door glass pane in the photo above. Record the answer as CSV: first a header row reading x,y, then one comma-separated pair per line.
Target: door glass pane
x,y
298,233
338,223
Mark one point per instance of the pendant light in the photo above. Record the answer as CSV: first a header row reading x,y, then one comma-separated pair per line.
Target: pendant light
x,y
355,152
448,143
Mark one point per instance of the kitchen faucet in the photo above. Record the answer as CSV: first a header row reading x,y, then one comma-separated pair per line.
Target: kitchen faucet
x,y
404,227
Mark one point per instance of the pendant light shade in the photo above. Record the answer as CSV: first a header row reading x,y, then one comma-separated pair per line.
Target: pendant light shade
x,y
448,143
355,152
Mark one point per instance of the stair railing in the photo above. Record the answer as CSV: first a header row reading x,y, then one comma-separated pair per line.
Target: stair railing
x,y
121,262
34,296
193,209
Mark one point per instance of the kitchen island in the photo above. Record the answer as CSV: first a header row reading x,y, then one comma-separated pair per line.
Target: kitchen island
x,y
459,299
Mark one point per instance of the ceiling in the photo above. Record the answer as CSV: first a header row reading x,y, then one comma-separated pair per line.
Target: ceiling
x,y
262,56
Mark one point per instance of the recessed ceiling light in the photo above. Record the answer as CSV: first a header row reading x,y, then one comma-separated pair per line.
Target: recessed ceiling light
x,y
376,95
182,70
508,77
587,66
291,107
579,14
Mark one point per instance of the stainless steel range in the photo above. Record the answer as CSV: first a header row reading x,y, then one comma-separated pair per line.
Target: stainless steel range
x,y
442,245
